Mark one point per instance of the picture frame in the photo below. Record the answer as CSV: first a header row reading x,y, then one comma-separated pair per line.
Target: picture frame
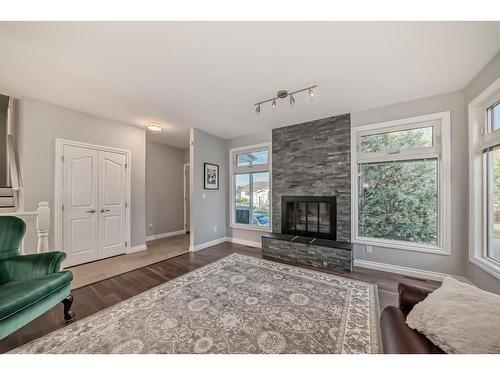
x,y
210,176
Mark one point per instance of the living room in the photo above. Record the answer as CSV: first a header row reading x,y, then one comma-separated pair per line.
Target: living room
x,y
265,187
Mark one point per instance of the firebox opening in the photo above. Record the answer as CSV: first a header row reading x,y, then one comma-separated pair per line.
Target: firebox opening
x,y
309,216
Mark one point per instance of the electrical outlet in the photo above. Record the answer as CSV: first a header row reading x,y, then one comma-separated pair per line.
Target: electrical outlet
x,y
215,229
204,196
368,249
150,227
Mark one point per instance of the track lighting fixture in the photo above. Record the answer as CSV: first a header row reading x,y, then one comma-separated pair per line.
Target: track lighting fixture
x,y
283,94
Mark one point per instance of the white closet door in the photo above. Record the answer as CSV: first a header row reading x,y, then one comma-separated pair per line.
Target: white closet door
x,y
112,193
80,231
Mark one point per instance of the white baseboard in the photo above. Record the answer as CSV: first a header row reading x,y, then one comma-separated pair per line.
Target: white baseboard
x,y
137,248
207,244
217,241
407,271
165,235
240,241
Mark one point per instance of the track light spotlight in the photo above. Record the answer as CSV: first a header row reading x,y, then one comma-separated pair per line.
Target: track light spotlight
x,y
282,94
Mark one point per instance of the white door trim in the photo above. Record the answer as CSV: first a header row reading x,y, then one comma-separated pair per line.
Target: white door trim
x,y
58,188
185,193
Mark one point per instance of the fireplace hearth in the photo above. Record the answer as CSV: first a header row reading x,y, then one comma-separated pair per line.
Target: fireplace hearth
x,y
308,234
310,216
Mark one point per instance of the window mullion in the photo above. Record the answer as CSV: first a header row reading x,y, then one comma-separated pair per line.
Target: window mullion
x,y
490,140
364,158
250,198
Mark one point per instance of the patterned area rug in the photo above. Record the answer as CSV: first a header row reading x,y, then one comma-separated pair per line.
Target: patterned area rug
x,y
238,304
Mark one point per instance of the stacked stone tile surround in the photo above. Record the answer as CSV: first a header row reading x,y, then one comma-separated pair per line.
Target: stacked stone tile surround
x,y
327,254
312,158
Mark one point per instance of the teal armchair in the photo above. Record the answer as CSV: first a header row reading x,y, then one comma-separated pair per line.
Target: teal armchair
x,y
29,284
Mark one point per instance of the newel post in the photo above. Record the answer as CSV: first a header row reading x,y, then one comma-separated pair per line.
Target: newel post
x,y
43,227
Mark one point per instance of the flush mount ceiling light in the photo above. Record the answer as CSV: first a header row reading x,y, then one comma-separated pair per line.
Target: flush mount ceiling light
x,y
154,127
282,94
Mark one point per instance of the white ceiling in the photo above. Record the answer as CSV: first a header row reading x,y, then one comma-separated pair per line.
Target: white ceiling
x,y
208,75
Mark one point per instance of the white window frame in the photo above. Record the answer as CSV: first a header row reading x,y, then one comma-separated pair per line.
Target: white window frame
x,y
234,169
478,141
441,149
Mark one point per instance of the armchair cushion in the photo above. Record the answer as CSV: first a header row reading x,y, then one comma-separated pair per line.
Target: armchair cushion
x,y
18,295
26,267
11,234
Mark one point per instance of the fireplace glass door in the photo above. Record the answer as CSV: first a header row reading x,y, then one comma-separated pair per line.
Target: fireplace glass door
x,y
309,216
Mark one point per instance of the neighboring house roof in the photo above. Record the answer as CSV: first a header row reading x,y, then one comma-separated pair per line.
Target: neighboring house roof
x,y
257,186
262,190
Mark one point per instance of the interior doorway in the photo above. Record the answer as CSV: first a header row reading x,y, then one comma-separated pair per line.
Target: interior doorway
x,y
92,201
186,198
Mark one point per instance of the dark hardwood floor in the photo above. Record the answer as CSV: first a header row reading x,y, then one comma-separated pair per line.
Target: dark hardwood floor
x,y
95,297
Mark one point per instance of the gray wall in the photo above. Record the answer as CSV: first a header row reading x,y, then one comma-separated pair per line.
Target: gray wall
x,y
314,158
485,78
453,102
164,188
246,140
4,104
456,102
453,264
41,123
208,207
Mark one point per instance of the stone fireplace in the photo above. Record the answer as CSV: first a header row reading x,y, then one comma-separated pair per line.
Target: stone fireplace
x,y
314,159
311,191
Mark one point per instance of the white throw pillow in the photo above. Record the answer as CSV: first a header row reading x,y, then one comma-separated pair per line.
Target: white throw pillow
x,y
459,318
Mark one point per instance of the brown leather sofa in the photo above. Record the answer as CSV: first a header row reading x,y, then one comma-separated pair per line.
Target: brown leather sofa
x,y
397,337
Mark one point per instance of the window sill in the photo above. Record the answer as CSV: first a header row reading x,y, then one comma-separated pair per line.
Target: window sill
x,y
402,246
251,227
486,265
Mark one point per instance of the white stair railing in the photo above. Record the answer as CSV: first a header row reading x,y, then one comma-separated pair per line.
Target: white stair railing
x,y
42,215
14,178
43,227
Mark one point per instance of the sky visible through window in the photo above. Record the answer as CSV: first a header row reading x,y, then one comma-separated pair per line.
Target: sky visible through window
x,y
495,117
252,158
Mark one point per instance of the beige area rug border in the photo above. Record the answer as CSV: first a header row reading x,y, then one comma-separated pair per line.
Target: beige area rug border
x,y
318,276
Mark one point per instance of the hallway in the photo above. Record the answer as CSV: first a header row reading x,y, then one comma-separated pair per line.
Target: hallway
x,y
158,250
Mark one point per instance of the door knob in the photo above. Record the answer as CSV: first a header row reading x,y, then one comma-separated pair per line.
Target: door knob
x,y
91,211
103,210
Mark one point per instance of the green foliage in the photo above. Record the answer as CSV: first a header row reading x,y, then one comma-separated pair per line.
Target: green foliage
x,y
398,200
242,201
403,139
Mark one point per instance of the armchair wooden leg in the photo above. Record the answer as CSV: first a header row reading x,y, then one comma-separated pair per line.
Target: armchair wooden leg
x,y
69,315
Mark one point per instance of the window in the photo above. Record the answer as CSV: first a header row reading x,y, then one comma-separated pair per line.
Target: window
x,y
484,184
492,165
401,184
250,193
